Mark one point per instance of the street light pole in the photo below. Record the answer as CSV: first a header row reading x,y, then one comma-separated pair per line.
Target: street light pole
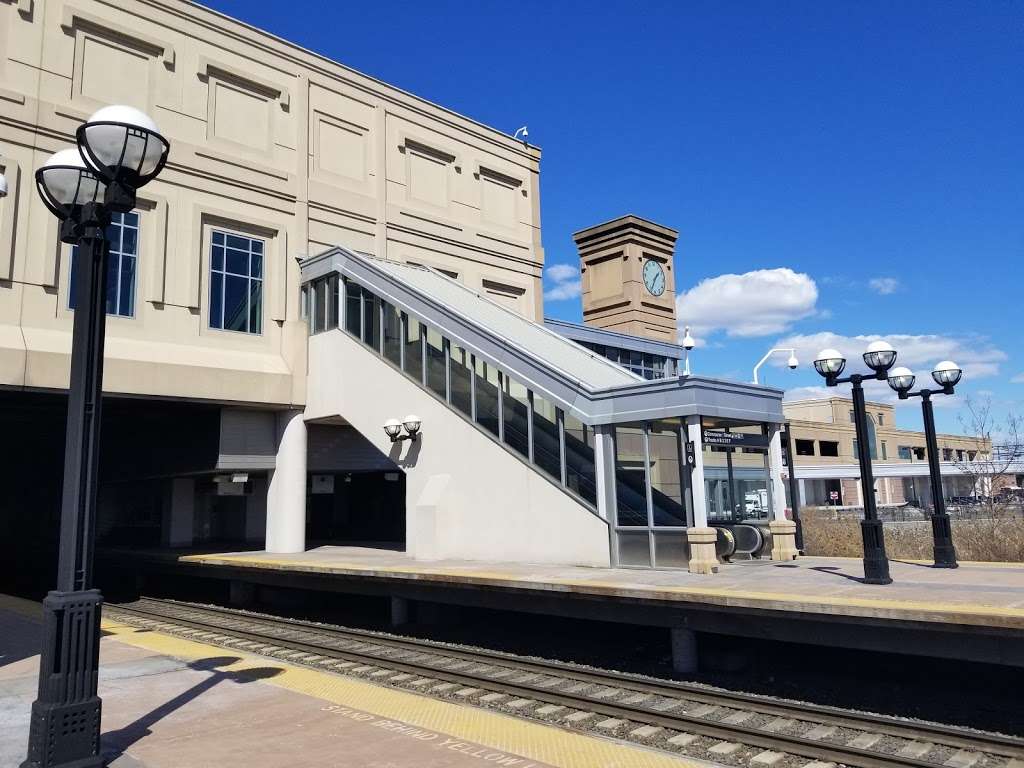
x,y
830,364
946,374
119,150
876,563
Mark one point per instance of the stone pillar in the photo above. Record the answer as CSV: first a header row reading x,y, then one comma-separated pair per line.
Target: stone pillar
x,y
783,530
684,650
178,522
701,538
604,470
286,494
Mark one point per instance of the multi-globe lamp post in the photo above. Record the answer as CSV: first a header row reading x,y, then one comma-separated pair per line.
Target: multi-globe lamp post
x,y
946,375
119,150
879,357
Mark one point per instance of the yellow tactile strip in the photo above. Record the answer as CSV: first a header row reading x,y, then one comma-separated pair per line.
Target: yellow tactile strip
x,y
490,729
913,610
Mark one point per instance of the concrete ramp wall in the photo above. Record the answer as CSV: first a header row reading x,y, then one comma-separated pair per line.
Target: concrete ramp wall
x,y
467,496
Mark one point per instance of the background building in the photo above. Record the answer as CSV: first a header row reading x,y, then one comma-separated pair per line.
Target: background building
x,y
824,443
322,254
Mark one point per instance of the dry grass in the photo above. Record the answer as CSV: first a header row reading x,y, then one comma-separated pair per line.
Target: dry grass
x,y
996,539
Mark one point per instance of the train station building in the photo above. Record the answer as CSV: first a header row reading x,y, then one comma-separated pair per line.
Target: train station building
x,y
324,257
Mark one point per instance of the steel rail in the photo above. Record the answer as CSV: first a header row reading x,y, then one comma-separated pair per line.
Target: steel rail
x,y
204,618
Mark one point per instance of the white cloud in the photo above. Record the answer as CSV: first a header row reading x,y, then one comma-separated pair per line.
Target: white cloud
x,y
884,285
974,354
809,393
566,282
1018,379
757,303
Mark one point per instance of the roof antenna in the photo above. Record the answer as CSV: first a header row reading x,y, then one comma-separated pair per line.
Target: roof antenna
x,y
524,131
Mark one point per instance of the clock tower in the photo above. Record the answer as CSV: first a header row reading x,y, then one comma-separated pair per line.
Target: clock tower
x,y
627,277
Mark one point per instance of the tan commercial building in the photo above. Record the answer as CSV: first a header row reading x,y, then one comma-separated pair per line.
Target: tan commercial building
x,y
824,442
325,254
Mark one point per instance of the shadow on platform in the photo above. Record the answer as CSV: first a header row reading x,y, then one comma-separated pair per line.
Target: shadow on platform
x,y
115,743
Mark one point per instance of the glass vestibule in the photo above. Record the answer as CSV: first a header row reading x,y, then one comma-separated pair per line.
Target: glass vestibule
x,y
736,479
556,443
652,507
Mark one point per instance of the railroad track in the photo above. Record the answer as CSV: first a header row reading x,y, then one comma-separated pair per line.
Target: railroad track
x,y
696,721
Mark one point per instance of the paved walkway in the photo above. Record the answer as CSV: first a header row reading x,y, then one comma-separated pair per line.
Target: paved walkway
x,y
174,703
976,594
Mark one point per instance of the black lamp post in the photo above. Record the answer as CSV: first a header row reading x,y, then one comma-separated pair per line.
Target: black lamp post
x,y
879,357
946,375
119,150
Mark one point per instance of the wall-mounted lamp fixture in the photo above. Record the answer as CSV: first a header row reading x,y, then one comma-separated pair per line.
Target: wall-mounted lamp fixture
x,y
411,423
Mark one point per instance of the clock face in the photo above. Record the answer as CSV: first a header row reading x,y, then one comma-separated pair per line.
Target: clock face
x,y
654,277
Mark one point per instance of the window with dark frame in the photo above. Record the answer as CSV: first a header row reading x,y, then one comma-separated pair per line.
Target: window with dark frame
x,y
236,282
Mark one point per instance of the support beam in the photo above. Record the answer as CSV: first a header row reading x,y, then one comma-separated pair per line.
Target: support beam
x,y
178,522
684,651
783,530
286,494
701,538
399,611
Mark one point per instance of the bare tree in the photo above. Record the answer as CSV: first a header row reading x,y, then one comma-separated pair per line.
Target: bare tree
x,y
998,454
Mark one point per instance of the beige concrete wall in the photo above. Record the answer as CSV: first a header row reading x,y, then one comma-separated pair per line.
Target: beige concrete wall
x,y
267,140
829,420
466,496
612,257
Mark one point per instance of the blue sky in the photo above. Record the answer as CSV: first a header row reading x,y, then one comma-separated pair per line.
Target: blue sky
x,y
835,169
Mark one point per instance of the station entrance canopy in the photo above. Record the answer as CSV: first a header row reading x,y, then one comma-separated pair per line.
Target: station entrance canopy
x,y
532,447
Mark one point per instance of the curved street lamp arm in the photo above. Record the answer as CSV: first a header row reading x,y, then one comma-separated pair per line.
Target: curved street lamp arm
x,y
768,354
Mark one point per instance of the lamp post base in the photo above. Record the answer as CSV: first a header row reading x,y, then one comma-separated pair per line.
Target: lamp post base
x,y
942,535
65,728
876,563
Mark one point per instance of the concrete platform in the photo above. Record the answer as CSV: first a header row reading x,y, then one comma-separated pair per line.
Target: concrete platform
x,y
180,704
974,612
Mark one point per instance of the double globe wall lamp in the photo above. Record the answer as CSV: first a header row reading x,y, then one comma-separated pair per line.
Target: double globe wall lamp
x,y
946,375
411,424
119,150
879,357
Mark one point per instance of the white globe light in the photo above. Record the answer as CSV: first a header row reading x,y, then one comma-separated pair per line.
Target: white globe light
x,y
65,182
688,342
879,356
3,185
792,362
392,428
901,379
412,424
947,373
829,362
121,143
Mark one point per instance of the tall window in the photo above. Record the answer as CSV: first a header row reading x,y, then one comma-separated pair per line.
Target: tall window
x,y
236,283
123,236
